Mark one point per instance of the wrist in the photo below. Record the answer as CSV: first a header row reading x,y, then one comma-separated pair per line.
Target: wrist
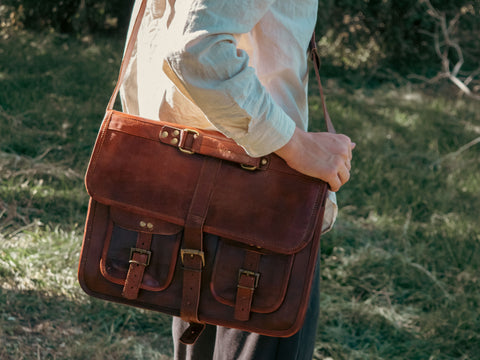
x,y
291,148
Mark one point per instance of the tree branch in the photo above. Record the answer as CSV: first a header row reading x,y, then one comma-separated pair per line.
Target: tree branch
x,y
445,30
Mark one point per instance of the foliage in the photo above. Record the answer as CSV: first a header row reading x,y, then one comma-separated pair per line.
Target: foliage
x,y
69,16
373,37
399,270
378,36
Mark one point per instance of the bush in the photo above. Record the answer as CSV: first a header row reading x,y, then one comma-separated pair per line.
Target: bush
x,y
371,35
368,37
72,16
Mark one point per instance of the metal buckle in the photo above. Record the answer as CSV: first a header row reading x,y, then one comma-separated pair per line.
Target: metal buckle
x,y
140,251
184,133
248,167
249,273
193,253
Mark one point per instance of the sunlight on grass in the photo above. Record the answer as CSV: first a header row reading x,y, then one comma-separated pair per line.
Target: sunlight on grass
x,y
405,320
400,270
42,260
40,299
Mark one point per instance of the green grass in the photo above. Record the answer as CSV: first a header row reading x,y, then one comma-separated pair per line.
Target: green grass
x,y
400,271
53,92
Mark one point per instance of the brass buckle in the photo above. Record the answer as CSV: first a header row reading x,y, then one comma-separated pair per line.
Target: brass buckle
x,y
195,134
249,273
248,167
140,251
262,165
192,253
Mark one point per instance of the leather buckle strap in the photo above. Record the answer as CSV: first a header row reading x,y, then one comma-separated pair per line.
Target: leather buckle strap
x,y
192,255
139,260
254,274
248,278
191,334
184,139
191,141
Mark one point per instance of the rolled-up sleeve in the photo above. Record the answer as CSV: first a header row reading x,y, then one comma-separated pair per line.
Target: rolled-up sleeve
x,y
214,73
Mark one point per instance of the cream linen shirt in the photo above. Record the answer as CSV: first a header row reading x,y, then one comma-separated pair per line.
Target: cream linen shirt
x,y
236,66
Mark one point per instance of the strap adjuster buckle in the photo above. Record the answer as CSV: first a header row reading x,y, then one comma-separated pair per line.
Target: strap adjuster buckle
x,y
192,253
142,252
249,273
184,134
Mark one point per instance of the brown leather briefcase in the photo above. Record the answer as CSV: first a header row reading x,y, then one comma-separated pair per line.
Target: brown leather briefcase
x,y
184,222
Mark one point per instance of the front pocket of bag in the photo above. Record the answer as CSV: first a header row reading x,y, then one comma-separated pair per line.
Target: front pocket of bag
x,y
121,238
273,271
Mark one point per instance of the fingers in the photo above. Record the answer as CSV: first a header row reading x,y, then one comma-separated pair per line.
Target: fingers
x,y
344,175
346,147
348,164
339,162
351,147
335,184
349,156
324,156
343,168
340,178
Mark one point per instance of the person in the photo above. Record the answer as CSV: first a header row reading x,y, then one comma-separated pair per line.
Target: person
x,y
238,67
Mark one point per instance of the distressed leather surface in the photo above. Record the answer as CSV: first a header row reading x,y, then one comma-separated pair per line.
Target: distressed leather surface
x,y
139,184
134,172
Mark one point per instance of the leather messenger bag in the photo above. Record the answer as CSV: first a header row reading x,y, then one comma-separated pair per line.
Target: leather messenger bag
x,y
184,222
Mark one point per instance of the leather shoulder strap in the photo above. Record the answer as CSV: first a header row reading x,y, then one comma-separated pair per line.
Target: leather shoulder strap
x,y
128,53
316,65
131,43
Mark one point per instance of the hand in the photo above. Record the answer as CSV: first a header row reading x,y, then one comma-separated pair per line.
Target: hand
x,y
321,155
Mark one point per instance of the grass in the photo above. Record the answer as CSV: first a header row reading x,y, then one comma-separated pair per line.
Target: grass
x,y
400,275
401,269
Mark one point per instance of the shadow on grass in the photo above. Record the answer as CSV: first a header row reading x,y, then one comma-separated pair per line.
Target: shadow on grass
x,y
400,269
381,301
35,325
53,93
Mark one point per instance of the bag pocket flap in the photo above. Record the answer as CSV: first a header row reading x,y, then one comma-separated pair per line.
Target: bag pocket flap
x,y
273,273
121,239
136,222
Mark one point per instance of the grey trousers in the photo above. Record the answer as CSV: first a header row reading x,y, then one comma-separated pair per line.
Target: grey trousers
x,y
220,343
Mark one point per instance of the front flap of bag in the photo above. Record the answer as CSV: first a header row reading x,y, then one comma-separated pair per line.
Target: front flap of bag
x,y
130,168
